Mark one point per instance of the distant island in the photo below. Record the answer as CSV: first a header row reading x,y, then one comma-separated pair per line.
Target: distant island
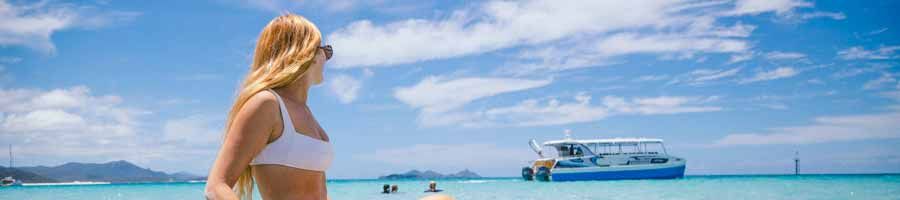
x,y
115,172
428,174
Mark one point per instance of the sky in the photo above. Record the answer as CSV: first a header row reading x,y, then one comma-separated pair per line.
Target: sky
x,y
735,87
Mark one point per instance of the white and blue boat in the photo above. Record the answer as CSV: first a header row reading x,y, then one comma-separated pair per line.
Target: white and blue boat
x,y
603,159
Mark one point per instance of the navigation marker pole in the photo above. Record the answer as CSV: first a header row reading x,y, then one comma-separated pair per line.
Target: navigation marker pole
x,y
796,162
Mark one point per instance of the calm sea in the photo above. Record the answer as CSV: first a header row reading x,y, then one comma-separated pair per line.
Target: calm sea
x,y
691,187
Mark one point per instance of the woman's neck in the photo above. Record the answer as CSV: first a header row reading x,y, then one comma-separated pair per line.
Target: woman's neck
x,y
298,91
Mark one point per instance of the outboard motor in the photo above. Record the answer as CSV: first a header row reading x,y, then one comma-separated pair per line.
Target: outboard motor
x,y
528,173
543,174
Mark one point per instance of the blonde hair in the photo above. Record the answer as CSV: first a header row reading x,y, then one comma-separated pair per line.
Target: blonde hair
x,y
284,52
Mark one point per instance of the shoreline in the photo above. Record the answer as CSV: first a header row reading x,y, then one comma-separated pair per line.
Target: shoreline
x,y
87,183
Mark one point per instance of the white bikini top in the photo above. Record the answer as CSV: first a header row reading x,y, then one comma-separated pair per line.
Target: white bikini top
x,y
295,149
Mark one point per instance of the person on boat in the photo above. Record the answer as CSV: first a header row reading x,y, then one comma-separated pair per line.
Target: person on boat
x,y
432,187
386,189
394,188
271,137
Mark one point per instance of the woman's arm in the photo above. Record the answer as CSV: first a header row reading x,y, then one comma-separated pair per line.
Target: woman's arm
x,y
249,133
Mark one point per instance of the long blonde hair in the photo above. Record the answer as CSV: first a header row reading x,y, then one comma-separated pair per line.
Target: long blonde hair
x,y
284,52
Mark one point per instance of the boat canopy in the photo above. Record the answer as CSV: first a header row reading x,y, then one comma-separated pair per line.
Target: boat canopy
x,y
613,141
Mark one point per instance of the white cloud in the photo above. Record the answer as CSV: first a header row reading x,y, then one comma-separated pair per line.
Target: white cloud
x,y
832,15
74,124
736,58
533,113
32,25
708,75
381,6
345,87
667,27
878,31
195,131
885,78
703,76
437,94
646,78
895,95
778,55
486,27
449,156
860,53
660,105
778,73
855,71
823,130
536,112
629,43
68,121
780,7
600,51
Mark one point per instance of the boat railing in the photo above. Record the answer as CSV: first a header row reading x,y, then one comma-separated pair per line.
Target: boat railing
x,y
627,153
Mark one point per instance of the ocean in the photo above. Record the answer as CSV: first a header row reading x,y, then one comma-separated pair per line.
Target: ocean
x,y
867,187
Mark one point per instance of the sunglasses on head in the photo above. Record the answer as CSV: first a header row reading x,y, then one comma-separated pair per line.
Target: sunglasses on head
x,y
328,51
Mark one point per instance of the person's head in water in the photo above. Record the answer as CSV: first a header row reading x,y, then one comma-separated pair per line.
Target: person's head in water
x,y
394,188
385,189
432,186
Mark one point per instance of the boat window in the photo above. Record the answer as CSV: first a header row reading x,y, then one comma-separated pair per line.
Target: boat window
x,y
576,151
569,150
629,148
653,148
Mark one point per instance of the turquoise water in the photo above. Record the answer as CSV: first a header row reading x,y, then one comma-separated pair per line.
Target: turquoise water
x,y
691,187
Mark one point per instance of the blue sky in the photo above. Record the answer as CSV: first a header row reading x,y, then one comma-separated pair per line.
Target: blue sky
x,y
733,86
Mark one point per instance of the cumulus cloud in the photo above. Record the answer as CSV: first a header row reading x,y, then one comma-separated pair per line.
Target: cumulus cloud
x,y
32,25
66,121
483,28
666,27
75,124
777,73
823,130
345,87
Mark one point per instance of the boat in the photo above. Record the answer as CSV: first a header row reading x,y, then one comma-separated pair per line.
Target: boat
x,y
9,180
603,159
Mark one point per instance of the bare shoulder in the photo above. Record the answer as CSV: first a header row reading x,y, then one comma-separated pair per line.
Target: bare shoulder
x,y
263,101
259,114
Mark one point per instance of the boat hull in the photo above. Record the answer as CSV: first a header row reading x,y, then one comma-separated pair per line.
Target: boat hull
x,y
664,171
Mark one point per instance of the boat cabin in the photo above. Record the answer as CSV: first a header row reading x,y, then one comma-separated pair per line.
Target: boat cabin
x,y
605,147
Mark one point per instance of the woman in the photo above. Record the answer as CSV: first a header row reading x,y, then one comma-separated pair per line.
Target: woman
x,y
271,135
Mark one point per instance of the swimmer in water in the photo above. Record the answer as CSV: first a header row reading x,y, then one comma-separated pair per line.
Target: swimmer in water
x,y
432,187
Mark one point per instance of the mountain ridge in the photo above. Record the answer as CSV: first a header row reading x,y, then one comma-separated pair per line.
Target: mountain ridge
x,y
429,174
120,171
